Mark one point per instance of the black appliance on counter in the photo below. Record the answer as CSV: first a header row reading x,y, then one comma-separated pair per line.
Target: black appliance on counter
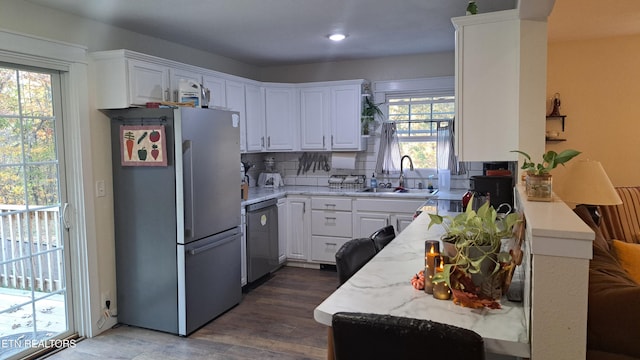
x,y
500,189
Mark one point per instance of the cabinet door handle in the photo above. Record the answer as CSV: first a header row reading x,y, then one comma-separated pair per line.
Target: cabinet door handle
x,y
268,141
331,140
262,141
323,141
165,95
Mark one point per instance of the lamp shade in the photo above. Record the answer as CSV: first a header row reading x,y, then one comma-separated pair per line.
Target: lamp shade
x,y
587,183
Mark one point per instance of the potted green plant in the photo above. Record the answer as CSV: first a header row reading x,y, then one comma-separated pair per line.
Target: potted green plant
x,y
477,238
369,112
538,179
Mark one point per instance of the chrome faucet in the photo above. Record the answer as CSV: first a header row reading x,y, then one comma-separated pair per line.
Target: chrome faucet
x,y
401,180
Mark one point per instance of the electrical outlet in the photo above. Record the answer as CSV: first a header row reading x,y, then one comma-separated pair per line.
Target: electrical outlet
x,y
106,295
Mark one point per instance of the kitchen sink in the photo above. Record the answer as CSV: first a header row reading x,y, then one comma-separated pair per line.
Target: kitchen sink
x,y
400,191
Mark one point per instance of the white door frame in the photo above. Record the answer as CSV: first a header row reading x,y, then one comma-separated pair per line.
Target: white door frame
x,y
71,60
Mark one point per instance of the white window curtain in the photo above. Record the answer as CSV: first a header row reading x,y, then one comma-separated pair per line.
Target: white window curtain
x,y
389,152
446,155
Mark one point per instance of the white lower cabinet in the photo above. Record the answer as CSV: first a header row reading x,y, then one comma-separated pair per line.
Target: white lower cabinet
x,y
374,213
331,226
282,235
313,228
402,221
366,223
297,227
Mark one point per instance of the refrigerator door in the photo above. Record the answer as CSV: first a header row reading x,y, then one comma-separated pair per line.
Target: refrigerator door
x,y
209,140
210,283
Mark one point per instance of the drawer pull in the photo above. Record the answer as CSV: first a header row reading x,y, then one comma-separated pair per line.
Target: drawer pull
x,y
330,218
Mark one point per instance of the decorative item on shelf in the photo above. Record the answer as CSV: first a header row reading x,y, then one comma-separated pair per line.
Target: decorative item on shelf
x,y
588,185
477,239
556,105
369,112
539,181
539,187
431,252
472,8
441,290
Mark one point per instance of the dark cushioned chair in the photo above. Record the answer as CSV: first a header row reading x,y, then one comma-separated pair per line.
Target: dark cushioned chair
x,y
372,336
383,236
352,256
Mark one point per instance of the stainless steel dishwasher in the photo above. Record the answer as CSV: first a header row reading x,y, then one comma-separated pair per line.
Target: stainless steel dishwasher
x,y
262,239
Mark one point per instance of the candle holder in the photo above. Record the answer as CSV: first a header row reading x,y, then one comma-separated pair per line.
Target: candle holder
x,y
431,252
441,290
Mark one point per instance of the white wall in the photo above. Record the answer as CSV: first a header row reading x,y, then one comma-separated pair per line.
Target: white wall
x,y
23,17
389,68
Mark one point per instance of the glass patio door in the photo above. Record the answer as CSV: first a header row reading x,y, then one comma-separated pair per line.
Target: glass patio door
x,y
34,294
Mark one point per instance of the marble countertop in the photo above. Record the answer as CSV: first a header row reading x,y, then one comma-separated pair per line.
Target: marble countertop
x,y
257,194
383,286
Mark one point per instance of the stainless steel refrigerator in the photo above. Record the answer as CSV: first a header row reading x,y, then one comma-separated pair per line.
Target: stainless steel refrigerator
x,y
177,224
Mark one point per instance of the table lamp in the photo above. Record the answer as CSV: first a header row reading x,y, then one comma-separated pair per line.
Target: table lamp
x,y
587,184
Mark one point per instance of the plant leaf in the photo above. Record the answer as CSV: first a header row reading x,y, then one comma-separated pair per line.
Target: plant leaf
x,y
565,156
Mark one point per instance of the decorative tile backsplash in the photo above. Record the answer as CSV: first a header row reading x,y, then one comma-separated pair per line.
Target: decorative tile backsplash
x,y
287,165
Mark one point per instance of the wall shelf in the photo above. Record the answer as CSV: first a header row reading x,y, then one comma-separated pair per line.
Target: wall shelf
x,y
550,117
554,139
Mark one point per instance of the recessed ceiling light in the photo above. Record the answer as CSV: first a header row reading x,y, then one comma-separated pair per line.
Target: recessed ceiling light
x,y
337,37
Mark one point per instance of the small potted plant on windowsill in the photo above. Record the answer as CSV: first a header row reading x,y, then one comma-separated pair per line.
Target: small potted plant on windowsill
x,y
369,112
538,178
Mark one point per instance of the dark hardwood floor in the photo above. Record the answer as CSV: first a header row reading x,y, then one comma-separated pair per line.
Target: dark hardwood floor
x,y
273,321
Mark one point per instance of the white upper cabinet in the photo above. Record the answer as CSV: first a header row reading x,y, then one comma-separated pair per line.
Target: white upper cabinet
x,y
320,116
346,105
123,81
330,116
254,97
216,86
147,82
234,91
500,85
281,117
314,118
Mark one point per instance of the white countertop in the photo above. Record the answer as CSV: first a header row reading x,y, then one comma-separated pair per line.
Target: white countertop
x,y
383,286
257,194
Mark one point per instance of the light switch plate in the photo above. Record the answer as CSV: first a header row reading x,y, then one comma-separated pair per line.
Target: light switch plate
x,y
100,190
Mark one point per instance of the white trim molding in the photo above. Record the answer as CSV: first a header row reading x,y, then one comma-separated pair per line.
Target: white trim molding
x,y
71,61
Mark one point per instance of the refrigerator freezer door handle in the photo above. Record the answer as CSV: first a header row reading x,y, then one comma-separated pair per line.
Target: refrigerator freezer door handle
x,y
187,158
211,246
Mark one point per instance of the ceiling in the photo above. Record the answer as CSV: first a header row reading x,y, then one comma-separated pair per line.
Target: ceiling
x,y
286,32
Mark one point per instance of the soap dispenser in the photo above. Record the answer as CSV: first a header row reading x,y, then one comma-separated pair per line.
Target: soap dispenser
x,y
373,182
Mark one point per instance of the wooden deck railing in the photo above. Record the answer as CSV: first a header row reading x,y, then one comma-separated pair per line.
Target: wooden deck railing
x,y
31,253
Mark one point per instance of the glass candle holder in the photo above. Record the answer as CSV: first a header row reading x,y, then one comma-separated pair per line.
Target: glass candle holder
x,y
441,290
431,253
